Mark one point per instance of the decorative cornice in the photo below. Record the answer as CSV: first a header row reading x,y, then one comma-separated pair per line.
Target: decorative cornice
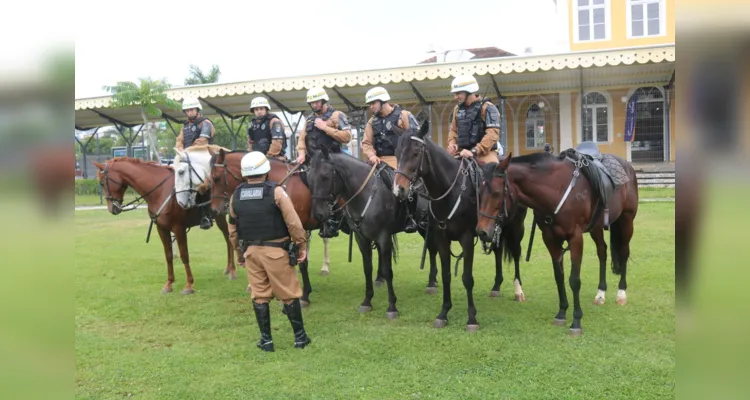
x,y
494,66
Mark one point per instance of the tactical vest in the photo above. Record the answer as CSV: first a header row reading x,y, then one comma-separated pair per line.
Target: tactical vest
x,y
258,216
471,127
385,140
315,138
192,131
260,134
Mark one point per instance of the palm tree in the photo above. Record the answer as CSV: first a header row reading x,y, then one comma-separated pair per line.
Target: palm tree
x,y
197,77
146,95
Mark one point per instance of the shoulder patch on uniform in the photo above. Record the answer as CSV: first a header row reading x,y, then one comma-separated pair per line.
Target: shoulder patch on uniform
x,y
255,193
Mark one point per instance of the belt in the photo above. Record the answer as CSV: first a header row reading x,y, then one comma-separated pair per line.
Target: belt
x,y
248,243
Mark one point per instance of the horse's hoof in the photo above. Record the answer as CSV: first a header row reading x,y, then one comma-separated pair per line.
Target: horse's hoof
x,y
188,291
364,309
324,272
440,323
622,301
521,298
558,322
304,303
574,332
249,289
391,314
472,328
495,293
598,301
378,284
166,290
431,290
226,272
232,277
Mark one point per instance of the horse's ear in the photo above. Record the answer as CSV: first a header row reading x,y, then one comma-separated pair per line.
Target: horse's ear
x,y
220,156
503,164
423,129
98,166
325,151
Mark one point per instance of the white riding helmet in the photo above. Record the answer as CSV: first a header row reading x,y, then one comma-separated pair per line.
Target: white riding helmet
x,y
464,83
260,102
191,102
254,163
316,93
377,93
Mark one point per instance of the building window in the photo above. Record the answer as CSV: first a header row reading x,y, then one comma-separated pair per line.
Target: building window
x,y
646,18
595,118
535,127
591,19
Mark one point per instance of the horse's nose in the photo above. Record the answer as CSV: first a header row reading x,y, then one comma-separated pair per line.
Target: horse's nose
x,y
482,234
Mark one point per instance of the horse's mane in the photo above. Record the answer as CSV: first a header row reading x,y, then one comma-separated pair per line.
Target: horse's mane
x,y
215,148
139,161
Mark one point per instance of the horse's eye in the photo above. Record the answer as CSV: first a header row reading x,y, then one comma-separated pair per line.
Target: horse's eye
x,y
181,172
216,179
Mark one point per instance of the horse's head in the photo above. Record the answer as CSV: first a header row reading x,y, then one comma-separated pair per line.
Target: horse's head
x,y
219,177
495,200
323,180
191,171
410,154
113,185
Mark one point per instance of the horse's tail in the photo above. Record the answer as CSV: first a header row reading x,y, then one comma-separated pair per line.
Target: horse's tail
x,y
394,248
510,238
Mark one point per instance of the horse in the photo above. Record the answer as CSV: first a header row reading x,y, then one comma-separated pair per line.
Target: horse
x,y
225,177
373,213
154,183
565,207
453,213
192,169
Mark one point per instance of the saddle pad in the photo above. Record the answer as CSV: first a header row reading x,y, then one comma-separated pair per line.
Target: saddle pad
x,y
615,169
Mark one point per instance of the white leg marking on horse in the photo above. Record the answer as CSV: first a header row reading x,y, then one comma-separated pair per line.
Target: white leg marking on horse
x,y
599,299
517,286
326,260
621,297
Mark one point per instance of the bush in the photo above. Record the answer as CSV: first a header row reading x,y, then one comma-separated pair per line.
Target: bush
x,y
91,187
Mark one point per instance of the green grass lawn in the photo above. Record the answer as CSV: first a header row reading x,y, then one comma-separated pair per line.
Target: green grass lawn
x,y
655,192
94,200
133,341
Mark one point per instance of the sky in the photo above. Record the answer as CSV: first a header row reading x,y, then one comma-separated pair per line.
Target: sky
x,y
160,39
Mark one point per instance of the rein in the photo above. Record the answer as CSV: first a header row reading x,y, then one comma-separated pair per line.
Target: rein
x,y
121,207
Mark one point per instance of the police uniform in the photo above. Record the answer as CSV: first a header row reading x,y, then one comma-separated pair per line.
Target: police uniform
x,y
266,135
381,140
337,132
476,128
265,220
199,131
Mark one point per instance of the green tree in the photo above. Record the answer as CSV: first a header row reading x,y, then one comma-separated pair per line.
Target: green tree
x,y
197,77
146,95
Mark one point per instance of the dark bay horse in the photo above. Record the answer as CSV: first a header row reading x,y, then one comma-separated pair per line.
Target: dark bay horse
x,y
373,213
155,184
451,184
226,176
566,205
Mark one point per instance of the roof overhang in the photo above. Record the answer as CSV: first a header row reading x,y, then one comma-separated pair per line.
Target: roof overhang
x,y
518,75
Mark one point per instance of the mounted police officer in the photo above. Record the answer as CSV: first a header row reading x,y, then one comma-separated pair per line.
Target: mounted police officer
x,y
266,132
325,127
475,122
381,135
264,218
197,130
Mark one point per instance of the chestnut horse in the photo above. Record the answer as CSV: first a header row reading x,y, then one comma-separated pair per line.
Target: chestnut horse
x,y
570,194
155,184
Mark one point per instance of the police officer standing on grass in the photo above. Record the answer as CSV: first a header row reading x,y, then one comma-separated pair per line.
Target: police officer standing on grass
x,y
264,217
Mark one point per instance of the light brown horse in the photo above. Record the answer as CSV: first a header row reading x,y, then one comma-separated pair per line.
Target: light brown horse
x,y
225,177
155,184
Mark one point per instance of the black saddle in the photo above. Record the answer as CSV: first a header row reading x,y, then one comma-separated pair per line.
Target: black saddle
x,y
587,156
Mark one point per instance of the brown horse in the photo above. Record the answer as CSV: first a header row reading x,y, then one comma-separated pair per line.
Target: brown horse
x,y
565,207
225,177
155,184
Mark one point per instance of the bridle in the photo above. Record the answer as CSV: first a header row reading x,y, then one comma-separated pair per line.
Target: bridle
x,y
192,171
117,203
227,172
502,216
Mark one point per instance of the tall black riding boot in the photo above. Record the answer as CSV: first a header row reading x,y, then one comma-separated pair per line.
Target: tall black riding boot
x,y
411,224
294,313
206,220
263,316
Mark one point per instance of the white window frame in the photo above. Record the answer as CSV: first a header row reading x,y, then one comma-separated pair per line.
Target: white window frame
x,y
610,117
662,18
535,119
607,21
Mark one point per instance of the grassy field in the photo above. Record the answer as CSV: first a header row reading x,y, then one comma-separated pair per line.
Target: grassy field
x,y
133,341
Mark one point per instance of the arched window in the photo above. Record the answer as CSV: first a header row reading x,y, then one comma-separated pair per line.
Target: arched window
x,y
595,118
535,127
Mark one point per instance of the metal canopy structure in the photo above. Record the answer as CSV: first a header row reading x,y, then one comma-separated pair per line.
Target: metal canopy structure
x,y
416,84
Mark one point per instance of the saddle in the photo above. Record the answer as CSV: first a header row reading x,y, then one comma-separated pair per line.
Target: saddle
x,y
604,173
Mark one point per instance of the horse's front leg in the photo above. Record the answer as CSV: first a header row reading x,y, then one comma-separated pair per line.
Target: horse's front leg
x,y
166,241
467,246
231,269
181,236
